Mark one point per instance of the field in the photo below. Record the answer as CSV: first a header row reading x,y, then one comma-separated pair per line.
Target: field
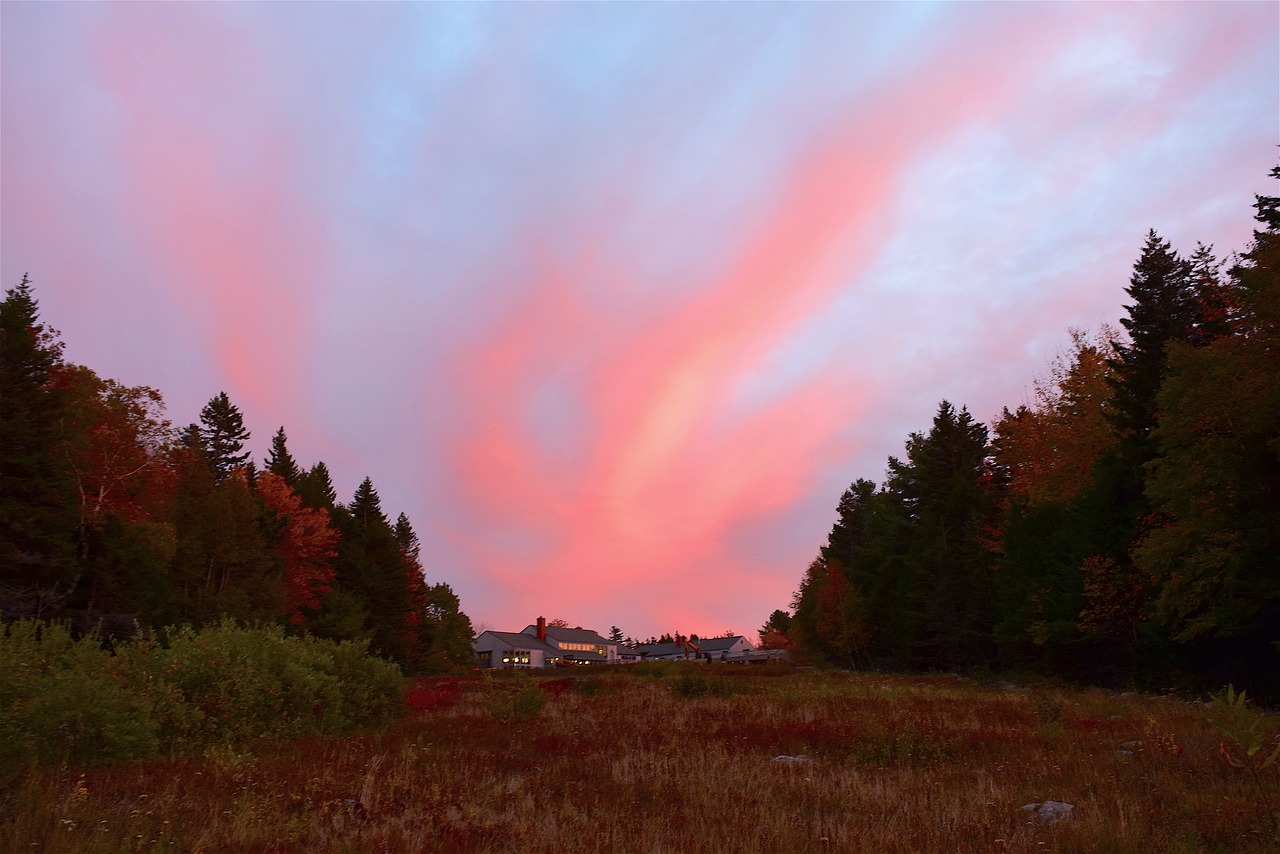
x,y
684,759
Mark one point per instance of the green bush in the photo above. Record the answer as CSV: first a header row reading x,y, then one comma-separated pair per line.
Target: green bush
x,y
59,704
527,703
70,700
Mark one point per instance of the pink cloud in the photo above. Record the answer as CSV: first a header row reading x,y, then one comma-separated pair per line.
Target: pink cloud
x,y
211,179
669,467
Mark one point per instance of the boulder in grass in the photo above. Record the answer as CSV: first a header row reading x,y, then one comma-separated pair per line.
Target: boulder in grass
x,y
788,759
1049,812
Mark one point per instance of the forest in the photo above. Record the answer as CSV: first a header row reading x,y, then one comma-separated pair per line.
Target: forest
x,y
112,521
1120,528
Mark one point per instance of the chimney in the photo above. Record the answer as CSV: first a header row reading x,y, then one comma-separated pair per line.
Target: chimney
x,y
542,629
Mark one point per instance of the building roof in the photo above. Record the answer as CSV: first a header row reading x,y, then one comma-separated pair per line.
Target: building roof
x,y
571,635
655,649
720,644
519,640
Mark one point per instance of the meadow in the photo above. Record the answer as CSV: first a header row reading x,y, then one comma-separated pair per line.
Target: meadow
x,y
652,758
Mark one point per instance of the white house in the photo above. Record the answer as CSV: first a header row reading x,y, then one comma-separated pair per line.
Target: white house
x,y
725,649
513,649
540,645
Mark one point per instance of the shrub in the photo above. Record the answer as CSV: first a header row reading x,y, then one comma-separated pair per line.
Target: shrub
x,y
71,700
56,705
525,704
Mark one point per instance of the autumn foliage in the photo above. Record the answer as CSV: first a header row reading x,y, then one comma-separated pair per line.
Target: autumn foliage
x,y
1118,527
305,544
112,520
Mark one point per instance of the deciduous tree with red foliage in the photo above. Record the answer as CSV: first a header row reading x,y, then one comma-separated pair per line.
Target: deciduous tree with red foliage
x,y
114,441
305,544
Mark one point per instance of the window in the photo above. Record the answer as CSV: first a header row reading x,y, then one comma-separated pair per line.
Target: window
x,y
515,656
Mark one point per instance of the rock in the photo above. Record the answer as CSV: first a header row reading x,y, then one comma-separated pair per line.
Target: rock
x,y
1049,812
784,758
1124,754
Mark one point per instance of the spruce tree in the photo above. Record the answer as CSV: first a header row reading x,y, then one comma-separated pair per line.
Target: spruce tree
x,y
37,515
371,567
949,604
280,462
366,507
223,434
1215,483
406,538
315,488
1163,310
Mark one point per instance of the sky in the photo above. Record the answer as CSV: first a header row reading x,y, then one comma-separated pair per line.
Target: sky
x,y
613,300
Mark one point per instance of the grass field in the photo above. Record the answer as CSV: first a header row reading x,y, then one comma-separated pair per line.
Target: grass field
x,y
676,759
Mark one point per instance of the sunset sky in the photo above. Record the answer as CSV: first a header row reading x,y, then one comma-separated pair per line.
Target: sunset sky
x,y
613,300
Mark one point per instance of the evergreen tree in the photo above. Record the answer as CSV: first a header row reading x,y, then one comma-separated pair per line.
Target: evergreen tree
x,y
407,538
616,635
223,435
941,484
1215,482
366,507
1163,310
37,510
315,488
224,563
779,621
280,462
372,568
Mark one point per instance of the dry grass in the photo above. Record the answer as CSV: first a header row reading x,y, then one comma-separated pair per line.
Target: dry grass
x,y
627,763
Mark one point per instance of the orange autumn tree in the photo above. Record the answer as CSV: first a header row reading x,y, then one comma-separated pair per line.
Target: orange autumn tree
x,y
1049,448
305,545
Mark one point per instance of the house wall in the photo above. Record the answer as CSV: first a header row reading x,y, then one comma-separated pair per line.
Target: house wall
x,y
499,650
740,646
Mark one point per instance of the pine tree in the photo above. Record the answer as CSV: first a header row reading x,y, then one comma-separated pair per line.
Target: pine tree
x,y
223,434
280,462
941,484
779,621
1163,310
1215,482
407,538
372,568
315,488
37,511
224,563
366,507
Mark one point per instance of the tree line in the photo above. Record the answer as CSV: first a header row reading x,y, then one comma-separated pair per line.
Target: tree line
x,y
112,520
1122,527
